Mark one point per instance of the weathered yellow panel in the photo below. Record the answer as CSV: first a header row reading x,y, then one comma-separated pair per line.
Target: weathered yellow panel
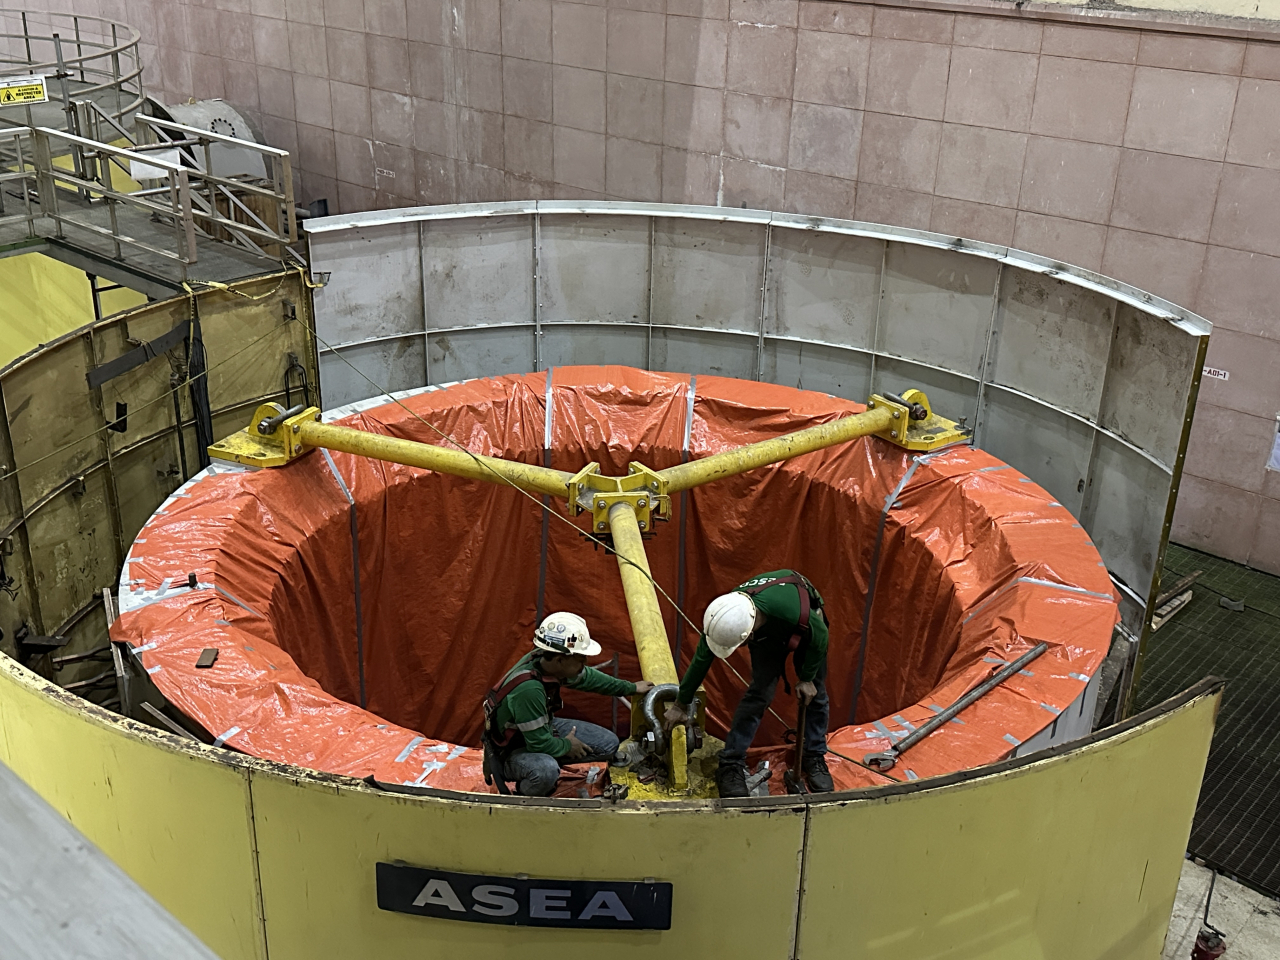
x,y
735,874
1070,858
177,822
1074,857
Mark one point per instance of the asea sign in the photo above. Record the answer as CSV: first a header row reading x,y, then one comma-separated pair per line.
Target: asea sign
x,y
520,901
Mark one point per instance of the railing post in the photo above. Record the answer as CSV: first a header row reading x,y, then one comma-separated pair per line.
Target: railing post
x,y
188,221
45,185
290,226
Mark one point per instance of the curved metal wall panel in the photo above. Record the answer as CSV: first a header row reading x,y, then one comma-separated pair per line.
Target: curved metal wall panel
x,y
1083,383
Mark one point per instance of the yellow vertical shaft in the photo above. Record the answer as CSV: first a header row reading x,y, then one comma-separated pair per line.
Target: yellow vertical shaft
x,y
650,633
647,627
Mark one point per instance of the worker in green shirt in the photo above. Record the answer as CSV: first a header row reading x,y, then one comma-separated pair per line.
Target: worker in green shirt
x,y
524,740
777,615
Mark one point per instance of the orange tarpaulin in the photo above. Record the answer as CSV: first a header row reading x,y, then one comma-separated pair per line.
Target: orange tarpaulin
x,y
976,565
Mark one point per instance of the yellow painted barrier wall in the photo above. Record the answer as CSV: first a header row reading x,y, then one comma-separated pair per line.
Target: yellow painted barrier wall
x,y
1070,854
42,298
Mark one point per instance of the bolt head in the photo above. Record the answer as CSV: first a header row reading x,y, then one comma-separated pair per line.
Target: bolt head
x,y
642,503
600,504
602,526
893,433
897,414
654,485
642,524
297,428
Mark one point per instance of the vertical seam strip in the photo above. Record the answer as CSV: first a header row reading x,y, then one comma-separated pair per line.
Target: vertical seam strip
x,y
546,503
355,571
871,585
684,510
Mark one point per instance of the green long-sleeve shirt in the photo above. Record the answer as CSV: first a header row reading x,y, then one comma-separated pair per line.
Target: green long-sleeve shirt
x,y
781,607
527,709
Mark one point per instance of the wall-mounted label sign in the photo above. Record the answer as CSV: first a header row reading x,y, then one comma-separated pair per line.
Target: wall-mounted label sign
x,y
597,904
19,90
1216,373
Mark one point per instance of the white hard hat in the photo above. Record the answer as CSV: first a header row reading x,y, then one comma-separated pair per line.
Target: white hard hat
x,y
565,633
728,622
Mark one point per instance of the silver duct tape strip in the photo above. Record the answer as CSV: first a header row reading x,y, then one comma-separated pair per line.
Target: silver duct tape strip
x,y
224,737
333,468
546,426
139,651
1003,466
903,723
1035,581
912,775
593,774
1051,708
456,752
1012,739
404,754
891,734
437,748
238,602
688,413
427,769
937,709
132,599
1079,676
156,669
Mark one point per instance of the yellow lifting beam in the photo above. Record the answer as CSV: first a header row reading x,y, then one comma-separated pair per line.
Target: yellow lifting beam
x,y
626,507
286,438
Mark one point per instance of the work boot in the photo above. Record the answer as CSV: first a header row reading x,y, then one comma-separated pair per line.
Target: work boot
x,y
731,780
816,773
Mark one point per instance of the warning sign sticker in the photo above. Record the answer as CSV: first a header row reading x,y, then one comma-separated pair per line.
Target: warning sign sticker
x,y
20,90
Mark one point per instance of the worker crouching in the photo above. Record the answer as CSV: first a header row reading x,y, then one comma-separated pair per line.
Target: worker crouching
x,y
777,615
524,741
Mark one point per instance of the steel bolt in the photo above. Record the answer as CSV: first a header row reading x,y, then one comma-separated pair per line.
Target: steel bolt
x,y
297,427
893,433
642,524
600,504
654,485
897,414
602,526
642,503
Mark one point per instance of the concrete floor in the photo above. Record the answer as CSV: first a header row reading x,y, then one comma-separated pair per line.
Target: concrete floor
x,y
1250,920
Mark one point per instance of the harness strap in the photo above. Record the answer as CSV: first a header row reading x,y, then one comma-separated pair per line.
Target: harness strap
x,y
803,588
501,739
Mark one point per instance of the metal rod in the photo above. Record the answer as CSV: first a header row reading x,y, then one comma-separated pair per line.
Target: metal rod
x,y
732,462
973,696
472,466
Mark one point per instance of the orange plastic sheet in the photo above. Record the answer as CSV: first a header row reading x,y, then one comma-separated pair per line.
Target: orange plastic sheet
x,y
976,565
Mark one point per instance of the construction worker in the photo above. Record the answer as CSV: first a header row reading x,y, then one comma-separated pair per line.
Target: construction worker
x,y
524,740
777,614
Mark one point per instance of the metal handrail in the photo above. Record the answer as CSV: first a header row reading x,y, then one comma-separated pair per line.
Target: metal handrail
x,y
22,172
93,53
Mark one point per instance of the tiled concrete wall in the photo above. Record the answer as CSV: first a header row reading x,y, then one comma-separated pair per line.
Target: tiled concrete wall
x,y
1152,156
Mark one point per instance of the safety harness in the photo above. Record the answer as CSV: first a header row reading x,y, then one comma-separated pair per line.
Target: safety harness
x,y
809,600
498,744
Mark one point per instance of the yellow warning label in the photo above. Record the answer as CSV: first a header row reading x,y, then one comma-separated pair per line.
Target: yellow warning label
x,y
18,90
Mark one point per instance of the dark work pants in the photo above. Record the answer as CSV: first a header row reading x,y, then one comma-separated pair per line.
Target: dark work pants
x,y
767,664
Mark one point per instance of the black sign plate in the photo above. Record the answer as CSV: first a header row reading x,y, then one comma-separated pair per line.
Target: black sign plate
x,y
593,904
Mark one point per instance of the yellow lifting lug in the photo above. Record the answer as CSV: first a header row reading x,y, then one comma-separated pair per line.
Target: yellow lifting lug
x,y
915,426
273,438
643,488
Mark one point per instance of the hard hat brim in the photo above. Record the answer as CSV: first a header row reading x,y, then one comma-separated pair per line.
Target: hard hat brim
x,y
722,651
